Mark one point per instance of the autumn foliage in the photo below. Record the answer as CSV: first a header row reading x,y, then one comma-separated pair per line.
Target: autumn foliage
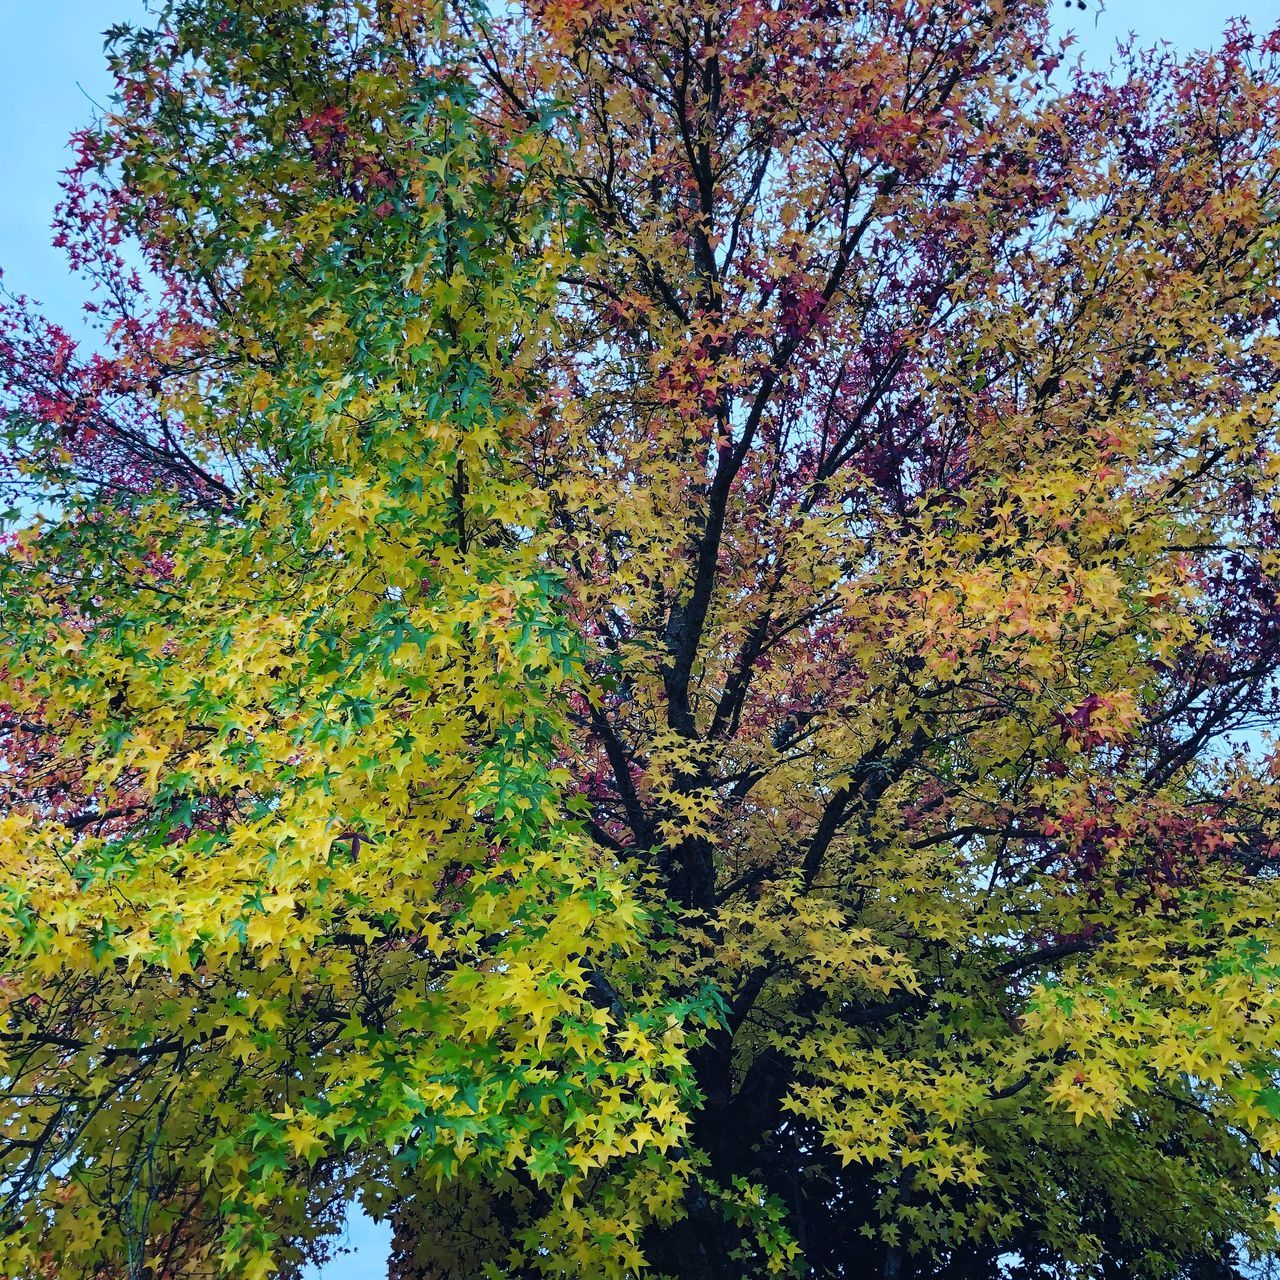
x,y
649,643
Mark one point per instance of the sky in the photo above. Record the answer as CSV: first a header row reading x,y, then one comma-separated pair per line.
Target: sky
x,y
52,72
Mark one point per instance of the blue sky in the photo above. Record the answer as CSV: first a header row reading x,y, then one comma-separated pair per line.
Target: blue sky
x,y
51,72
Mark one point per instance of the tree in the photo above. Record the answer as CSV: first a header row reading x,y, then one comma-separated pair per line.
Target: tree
x,y
290,877
659,654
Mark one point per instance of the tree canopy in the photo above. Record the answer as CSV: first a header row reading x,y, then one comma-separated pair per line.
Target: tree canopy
x,y
650,645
